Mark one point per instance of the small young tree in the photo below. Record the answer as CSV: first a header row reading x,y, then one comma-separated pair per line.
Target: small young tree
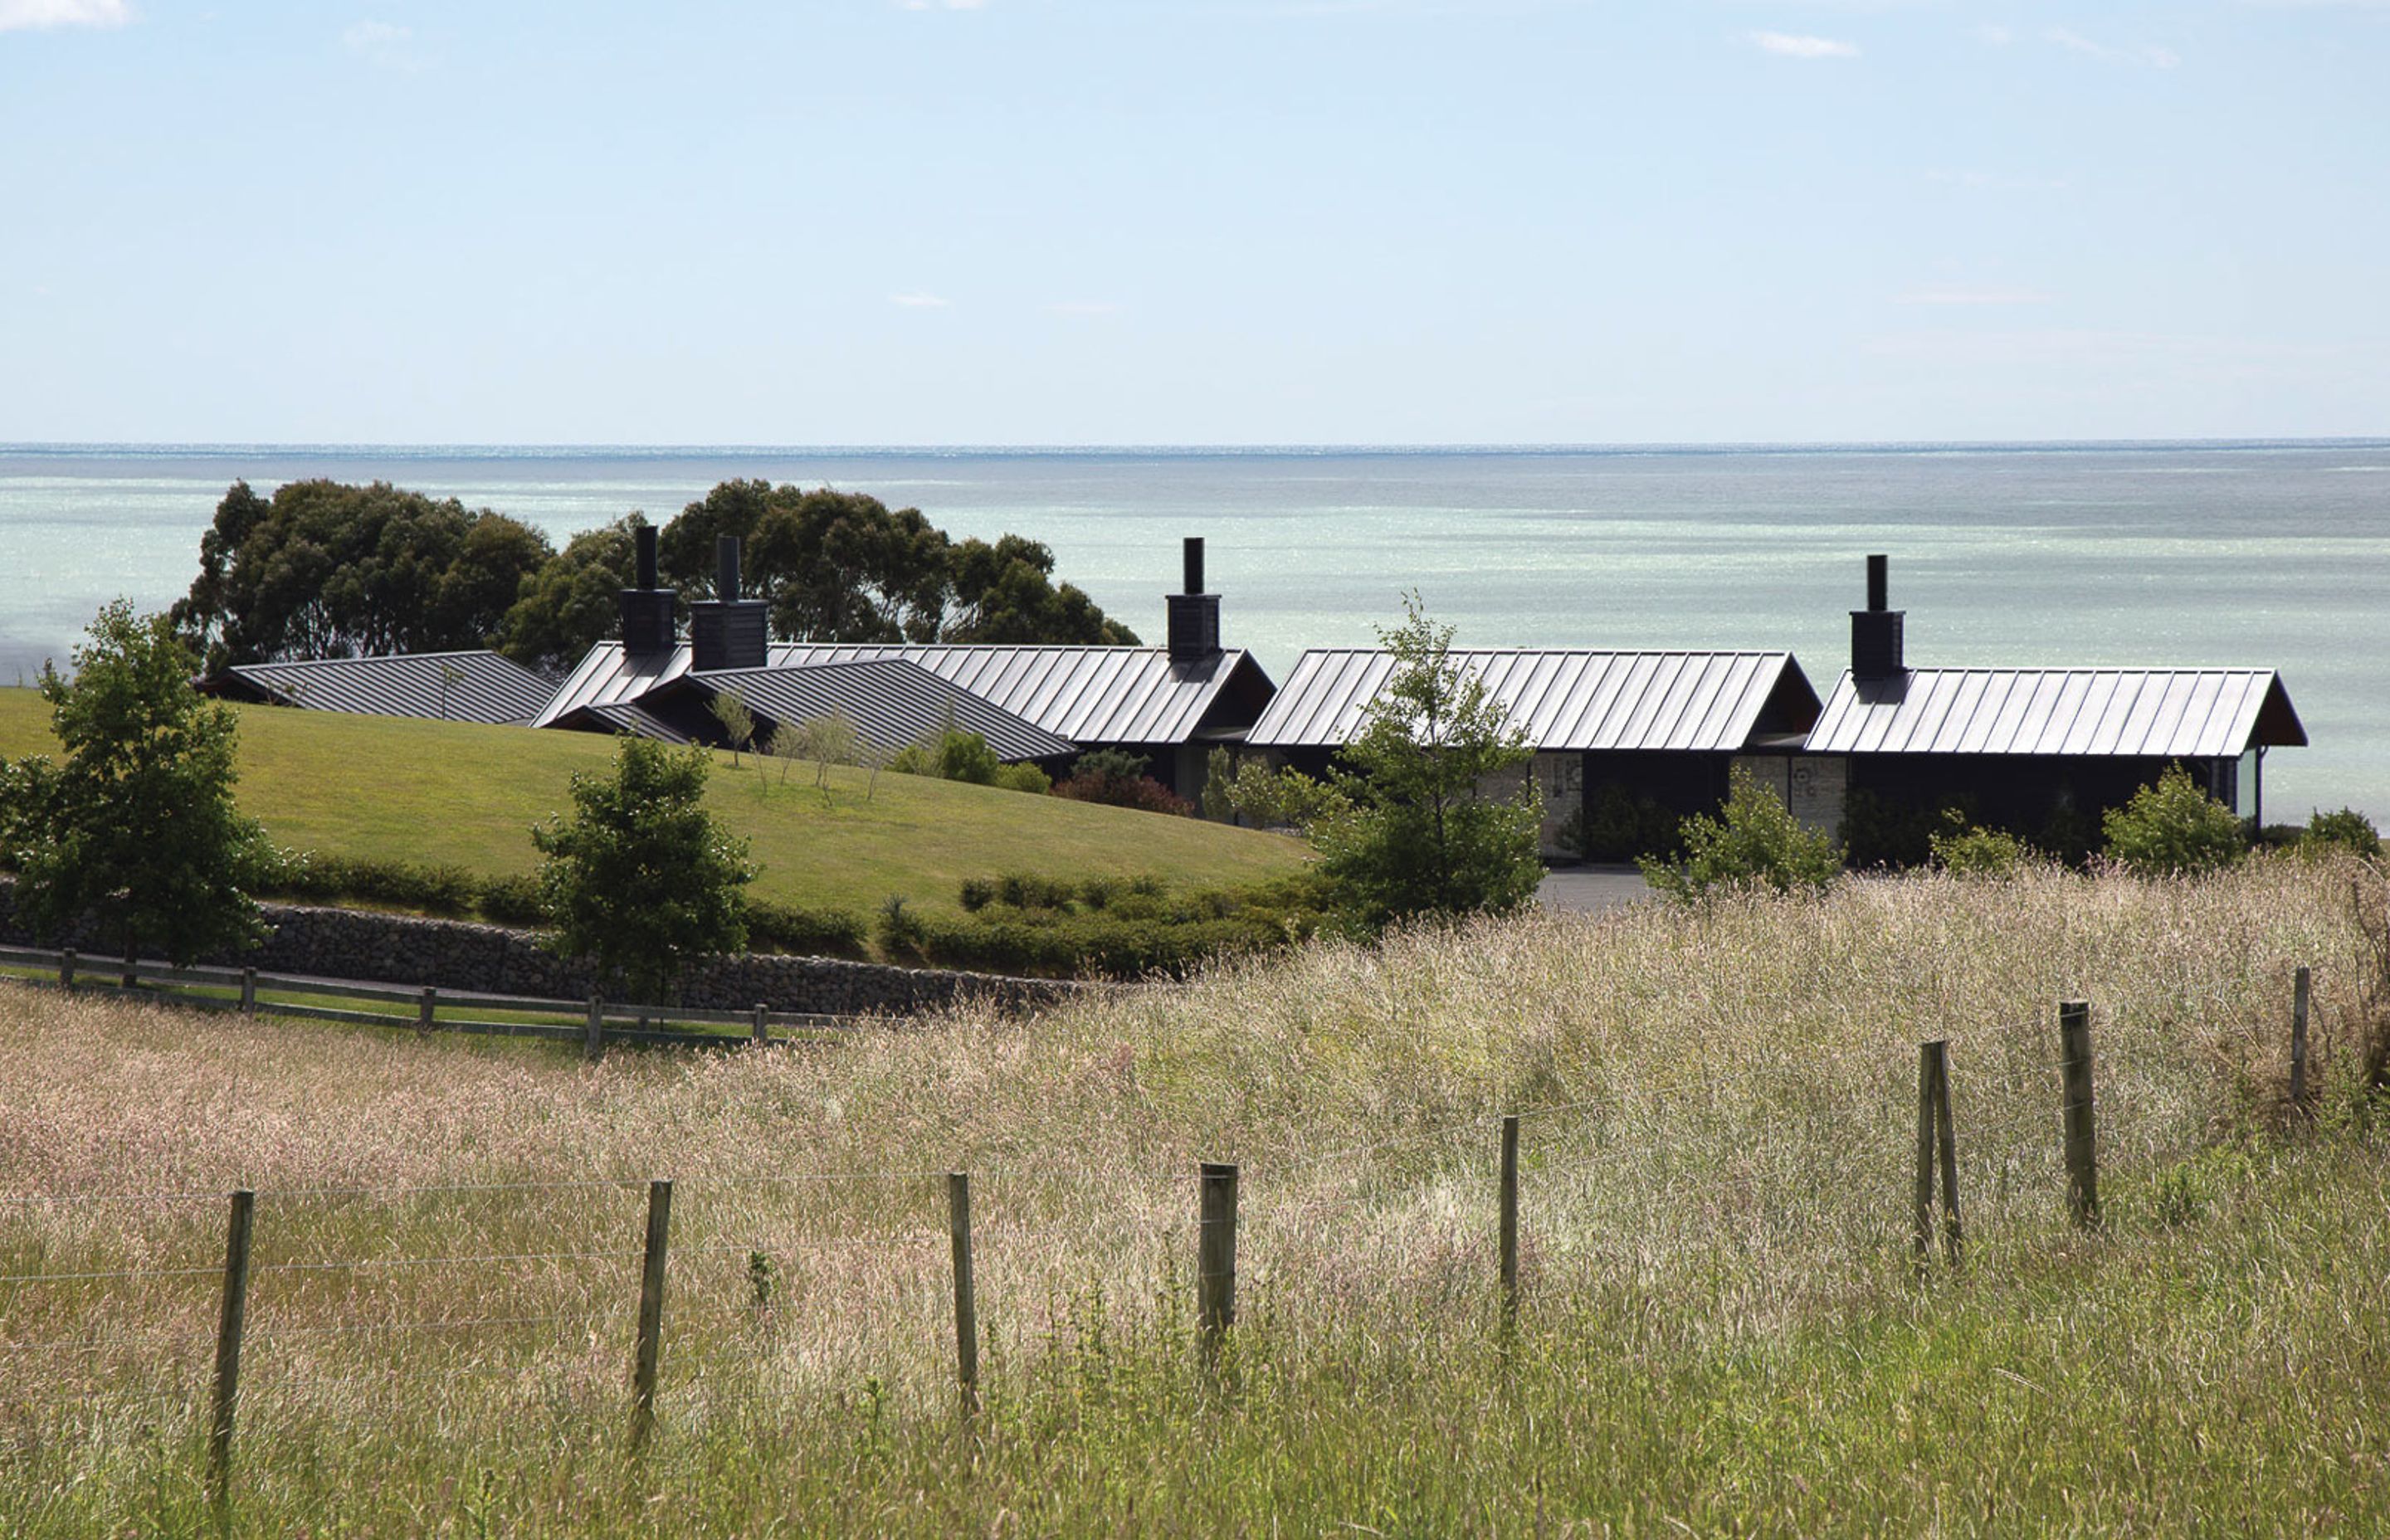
x,y
730,709
831,740
1421,832
2174,827
136,830
641,878
1755,843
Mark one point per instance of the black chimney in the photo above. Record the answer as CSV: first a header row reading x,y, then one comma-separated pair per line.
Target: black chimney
x,y
726,568
1875,631
729,632
646,610
1194,615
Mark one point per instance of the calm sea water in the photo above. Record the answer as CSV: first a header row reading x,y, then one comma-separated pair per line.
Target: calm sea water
x,y
2267,554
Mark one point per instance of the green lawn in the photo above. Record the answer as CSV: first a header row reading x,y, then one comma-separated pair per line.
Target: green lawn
x,y
456,794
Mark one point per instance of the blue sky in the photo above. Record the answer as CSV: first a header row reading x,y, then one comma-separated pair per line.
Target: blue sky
x,y
1141,221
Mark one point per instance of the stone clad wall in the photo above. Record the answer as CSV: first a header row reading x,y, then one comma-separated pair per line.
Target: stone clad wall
x,y
463,955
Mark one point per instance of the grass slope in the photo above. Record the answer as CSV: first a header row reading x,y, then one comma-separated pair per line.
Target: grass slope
x,y
464,795
1721,1333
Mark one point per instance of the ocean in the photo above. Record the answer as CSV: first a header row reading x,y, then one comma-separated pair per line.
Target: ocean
x,y
2257,554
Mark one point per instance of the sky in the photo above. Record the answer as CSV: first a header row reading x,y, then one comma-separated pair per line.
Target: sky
x,y
1164,222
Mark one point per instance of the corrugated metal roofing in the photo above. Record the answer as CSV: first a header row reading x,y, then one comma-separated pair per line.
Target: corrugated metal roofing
x,y
1089,695
606,676
893,701
2127,713
1559,698
457,687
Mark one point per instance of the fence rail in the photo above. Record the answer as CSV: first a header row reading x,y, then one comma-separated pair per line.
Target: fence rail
x,y
592,1022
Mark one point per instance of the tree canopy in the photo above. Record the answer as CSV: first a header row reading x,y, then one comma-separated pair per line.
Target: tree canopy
x,y
136,830
326,570
639,876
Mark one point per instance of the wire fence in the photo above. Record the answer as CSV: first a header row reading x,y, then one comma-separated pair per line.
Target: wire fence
x,y
744,1289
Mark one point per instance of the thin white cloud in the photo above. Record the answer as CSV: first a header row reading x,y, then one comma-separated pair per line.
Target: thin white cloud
x,y
2149,54
1971,297
393,47
917,300
1995,35
1797,46
18,16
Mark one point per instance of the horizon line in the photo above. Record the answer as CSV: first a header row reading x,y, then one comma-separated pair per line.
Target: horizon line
x,y
39,447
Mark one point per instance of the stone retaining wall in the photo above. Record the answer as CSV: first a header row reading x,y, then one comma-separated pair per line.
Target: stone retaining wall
x,y
463,955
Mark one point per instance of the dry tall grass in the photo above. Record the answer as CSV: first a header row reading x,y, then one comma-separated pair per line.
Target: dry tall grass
x,y
447,1231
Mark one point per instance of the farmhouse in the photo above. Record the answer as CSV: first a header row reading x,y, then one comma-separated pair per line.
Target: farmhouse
x,y
1649,729
2027,746
1168,705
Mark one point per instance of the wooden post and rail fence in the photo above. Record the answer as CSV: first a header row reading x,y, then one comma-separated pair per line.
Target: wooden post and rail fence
x,y
593,1024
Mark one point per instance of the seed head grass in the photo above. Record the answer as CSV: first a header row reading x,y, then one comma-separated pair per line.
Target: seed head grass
x,y
1722,1327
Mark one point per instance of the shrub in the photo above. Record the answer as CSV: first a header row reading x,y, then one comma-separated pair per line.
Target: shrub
x,y
1021,924
1423,830
1623,825
2348,828
1755,843
512,901
1971,850
1028,891
1274,799
1134,793
639,876
950,754
307,877
1023,777
1880,830
899,930
2174,827
787,927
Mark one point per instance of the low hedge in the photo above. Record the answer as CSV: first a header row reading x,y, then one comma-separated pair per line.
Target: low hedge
x,y
303,876
1022,924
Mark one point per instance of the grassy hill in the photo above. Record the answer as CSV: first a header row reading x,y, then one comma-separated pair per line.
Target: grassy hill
x,y
1721,1331
464,795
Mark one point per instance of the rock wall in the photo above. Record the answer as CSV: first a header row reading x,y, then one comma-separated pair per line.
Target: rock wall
x,y
451,954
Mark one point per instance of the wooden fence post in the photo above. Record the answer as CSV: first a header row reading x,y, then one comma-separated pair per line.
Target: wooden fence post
x,y
2075,1074
966,1300
763,1026
129,978
1215,1260
249,992
2299,996
229,1321
1953,1236
1510,1221
67,968
652,1315
595,1041
423,1010
1921,1235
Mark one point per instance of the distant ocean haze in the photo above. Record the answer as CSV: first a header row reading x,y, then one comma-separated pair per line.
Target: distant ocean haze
x,y
2264,554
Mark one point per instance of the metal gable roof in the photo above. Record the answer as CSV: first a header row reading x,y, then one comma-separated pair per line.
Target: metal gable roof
x,y
1089,695
2123,712
456,687
1560,699
893,701
608,676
